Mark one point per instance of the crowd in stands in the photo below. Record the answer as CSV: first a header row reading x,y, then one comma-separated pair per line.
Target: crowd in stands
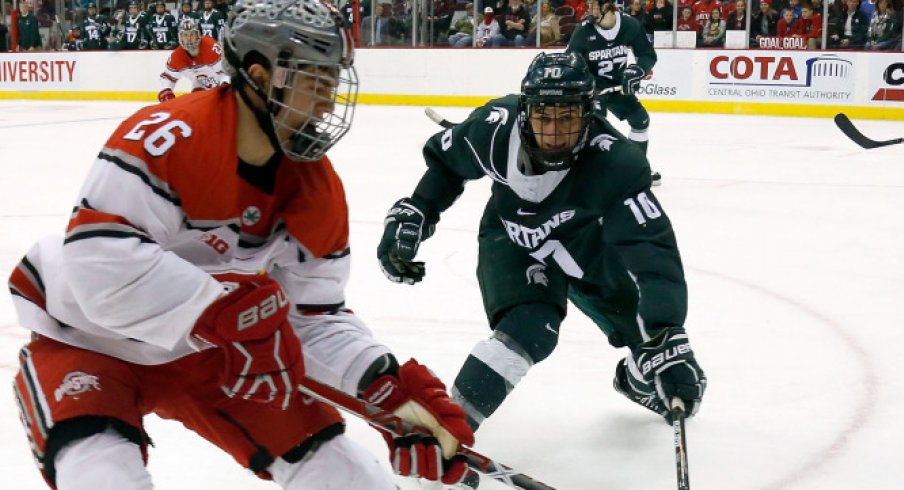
x,y
134,24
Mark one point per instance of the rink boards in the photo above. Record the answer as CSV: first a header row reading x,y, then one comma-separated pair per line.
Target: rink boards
x,y
792,83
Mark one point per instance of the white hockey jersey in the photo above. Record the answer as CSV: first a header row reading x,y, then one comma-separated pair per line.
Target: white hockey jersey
x,y
164,208
204,71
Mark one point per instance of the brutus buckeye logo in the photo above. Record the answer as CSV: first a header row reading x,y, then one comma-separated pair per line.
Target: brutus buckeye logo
x,y
75,383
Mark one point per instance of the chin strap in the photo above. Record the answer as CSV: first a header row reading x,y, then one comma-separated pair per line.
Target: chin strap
x,y
264,119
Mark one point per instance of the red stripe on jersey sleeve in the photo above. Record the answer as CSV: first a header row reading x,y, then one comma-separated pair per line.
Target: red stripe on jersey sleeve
x,y
85,216
21,284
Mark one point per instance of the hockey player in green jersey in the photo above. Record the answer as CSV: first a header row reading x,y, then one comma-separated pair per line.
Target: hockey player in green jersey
x,y
571,217
605,40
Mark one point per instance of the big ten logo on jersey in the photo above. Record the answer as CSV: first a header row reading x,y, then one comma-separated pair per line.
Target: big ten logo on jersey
x,y
268,307
162,139
218,244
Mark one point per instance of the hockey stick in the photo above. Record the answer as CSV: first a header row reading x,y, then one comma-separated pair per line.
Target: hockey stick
x,y
445,123
847,127
386,421
678,416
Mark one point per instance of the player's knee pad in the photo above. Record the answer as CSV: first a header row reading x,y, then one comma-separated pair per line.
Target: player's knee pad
x,y
639,120
105,460
337,463
531,328
90,435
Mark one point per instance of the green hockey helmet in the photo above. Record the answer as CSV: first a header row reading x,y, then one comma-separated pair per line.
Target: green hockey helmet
x,y
555,80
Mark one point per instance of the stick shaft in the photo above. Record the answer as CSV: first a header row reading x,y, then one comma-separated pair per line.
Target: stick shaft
x,y
681,470
387,421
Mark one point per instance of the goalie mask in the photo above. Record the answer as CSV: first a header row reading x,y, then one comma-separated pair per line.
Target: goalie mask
x,y
313,88
556,109
189,35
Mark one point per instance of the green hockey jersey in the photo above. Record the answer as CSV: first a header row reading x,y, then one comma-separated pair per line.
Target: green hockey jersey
x,y
606,51
597,221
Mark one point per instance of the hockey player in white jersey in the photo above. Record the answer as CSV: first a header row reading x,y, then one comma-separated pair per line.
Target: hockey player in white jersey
x,y
202,277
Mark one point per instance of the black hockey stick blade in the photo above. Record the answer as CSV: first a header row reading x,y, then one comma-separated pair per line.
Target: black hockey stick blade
x,y
678,415
386,421
847,127
437,118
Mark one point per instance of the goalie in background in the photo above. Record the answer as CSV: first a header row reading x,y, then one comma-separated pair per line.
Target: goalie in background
x,y
571,217
202,278
197,58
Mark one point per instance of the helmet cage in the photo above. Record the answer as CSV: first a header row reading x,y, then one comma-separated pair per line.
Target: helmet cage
x,y
551,160
189,35
337,87
555,80
296,37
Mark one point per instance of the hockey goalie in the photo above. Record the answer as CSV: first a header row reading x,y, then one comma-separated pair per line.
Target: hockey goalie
x,y
197,58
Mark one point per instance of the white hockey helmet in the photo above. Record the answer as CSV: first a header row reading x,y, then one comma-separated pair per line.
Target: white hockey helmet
x,y
189,35
294,37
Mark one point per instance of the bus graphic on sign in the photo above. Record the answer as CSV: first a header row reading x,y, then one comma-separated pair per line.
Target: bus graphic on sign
x,y
781,70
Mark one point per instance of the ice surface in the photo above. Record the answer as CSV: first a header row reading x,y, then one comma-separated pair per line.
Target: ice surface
x,y
792,241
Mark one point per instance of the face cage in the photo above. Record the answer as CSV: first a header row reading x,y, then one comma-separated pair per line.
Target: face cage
x,y
317,134
191,47
553,160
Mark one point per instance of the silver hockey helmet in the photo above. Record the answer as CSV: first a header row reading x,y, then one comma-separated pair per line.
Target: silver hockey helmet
x,y
189,35
296,38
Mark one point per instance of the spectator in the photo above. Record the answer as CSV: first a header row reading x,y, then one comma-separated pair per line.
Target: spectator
x,y
95,29
514,24
661,16
687,22
851,27
763,23
487,28
548,24
580,7
383,29
868,7
703,10
636,10
461,35
713,33
29,37
439,19
810,26
884,31
4,45
74,40
737,20
787,26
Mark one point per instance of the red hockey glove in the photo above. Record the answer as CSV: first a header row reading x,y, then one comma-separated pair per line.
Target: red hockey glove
x,y
165,95
418,397
263,355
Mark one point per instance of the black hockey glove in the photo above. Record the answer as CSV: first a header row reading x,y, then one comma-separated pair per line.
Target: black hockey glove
x,y
405,227
667,366
631,78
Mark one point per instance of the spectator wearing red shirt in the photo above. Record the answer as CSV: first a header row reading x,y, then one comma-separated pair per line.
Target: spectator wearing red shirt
x,y
687,22
702,11
810,26
787,26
